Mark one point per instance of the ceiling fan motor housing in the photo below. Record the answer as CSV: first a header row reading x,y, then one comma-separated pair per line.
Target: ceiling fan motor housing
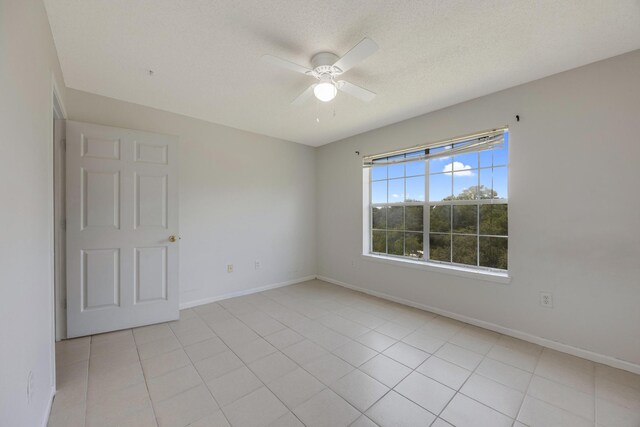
x,y
322,64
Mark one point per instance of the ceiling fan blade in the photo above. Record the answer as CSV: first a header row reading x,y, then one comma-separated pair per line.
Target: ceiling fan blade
x,y
354,90
304,96
286,64
357,53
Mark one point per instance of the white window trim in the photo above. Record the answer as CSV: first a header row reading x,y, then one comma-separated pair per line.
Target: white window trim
x,y
450,269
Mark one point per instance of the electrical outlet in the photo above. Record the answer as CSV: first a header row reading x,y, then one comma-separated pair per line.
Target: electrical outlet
x,y
256,264
229,268
546,299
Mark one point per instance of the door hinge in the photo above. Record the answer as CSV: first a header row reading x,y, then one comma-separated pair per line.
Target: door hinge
x,y
64,304
63,224
63,144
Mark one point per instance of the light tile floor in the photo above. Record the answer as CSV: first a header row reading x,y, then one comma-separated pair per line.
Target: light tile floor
x,y
316,354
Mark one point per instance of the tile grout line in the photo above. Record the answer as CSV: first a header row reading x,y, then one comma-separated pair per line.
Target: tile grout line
x,y
497,382
325,387
532,373
277,350
245,365
330,352
472,372
198,372
86,393
144,375
526,391
390,389
403,378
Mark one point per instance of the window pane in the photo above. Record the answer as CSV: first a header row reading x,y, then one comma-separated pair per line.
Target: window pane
x,y
439,162
500,182
493,182
395,218
497,156
415,154
493,220
379,217
378,172
465,218
396,242
493,252
414,168
413,245
486,184
440,187
440,219
396,170
415,189
440,247
379,192
396,190
465,250
414,218
379,242
465,185
465,161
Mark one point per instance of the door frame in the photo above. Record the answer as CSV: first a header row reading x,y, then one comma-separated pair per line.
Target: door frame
x,y
58,112
59,227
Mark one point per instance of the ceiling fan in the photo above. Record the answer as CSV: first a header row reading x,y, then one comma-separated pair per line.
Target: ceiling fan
x,y
327,67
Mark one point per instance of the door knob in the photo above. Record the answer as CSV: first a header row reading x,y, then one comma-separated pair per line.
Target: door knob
x,y
173,238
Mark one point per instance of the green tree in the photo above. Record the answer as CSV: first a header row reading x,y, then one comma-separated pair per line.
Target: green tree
x,y
453,235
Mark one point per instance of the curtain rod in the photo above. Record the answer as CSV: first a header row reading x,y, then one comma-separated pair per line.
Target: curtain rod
x,y
436,144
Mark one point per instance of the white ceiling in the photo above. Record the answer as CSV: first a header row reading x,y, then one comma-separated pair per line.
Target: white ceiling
x,y
205,54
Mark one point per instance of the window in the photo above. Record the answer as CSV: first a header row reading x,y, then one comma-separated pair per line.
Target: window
x,y
443,203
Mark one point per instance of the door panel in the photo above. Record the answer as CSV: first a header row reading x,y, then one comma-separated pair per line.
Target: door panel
x,y
100,278
122,206
151,274
100,198
150,153
100,148
151,201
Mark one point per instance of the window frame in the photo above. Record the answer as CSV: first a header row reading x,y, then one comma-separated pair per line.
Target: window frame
x,y
403,204
426,231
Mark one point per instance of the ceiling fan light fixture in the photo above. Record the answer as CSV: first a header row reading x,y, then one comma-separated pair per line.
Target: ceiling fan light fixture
x,y
325,91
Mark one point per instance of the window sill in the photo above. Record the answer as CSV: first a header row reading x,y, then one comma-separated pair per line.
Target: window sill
x,y
489,276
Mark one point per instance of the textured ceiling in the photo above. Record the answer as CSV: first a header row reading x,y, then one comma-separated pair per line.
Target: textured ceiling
x,y
205,54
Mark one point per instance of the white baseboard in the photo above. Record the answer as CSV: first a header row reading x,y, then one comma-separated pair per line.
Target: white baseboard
x,y
554,345
209,300
47,412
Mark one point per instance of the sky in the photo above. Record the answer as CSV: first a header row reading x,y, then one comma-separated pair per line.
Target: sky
x,y
447,176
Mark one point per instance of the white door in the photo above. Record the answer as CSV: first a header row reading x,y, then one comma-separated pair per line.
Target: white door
x,y
122,228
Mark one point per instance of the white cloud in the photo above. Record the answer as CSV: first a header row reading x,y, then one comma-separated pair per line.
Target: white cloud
x,y
460,169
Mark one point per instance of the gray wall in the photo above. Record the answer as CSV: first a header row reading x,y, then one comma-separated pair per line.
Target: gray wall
x,y
573,204
28,66
243,197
